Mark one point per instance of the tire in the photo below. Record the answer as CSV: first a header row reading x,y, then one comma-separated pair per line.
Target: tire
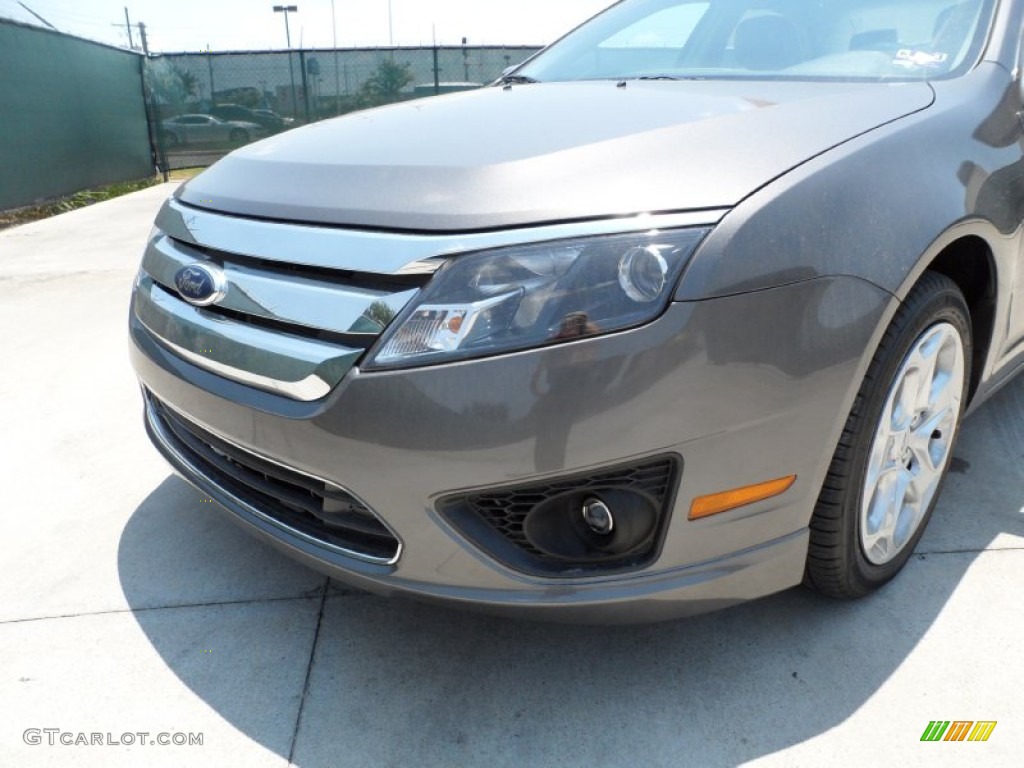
x,y
892,449
240,136
171,139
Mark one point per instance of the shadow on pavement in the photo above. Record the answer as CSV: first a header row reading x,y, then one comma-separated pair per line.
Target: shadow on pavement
x,y
403,683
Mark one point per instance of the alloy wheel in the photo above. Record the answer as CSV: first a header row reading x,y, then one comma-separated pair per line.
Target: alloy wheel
x,y
912,441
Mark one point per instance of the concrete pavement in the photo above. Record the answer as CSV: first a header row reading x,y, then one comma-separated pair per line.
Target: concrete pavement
x,y
128,605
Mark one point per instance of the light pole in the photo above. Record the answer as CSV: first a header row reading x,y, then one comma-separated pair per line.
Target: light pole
x,y
337,79
391,25
286,9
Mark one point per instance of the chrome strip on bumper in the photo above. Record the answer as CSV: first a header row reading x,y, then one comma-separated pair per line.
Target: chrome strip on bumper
x,y
159,432
299,368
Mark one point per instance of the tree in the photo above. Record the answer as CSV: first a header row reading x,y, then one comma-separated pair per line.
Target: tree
x,y
167,83
189,83
379,314
386,83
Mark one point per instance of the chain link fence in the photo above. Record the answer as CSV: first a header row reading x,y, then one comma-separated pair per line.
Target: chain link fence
x,y
203,105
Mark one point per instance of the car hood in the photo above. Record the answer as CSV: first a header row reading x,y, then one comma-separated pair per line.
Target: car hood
x,y
541,153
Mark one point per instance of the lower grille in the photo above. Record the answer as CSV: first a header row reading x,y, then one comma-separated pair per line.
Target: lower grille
x,y
299,503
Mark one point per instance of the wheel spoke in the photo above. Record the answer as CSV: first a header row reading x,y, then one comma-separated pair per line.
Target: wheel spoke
x,y
930,440
886,510
880,458
902,408
922,490
925,357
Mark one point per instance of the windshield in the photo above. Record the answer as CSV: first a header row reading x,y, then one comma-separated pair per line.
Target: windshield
x,y
774,39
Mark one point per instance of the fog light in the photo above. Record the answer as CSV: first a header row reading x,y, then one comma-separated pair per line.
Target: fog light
x,y
598,517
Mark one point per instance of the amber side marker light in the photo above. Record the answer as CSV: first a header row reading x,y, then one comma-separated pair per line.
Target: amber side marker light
x,y
704,506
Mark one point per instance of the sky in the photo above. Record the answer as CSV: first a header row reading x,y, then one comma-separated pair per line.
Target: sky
x,y
194,25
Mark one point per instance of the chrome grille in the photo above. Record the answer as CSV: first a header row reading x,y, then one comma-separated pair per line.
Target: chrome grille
x,y
284,326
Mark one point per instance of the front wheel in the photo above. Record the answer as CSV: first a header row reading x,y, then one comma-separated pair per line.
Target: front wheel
x,y
896,446
239,136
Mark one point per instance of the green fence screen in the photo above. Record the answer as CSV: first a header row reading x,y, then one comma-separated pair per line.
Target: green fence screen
x,y
72,115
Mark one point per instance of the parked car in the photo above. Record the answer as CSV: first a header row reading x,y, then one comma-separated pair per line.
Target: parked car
x,y
269,119
206,129
686,310
430,89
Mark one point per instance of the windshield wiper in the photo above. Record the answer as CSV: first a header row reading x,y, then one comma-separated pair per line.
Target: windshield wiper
x,y
660,77
516,80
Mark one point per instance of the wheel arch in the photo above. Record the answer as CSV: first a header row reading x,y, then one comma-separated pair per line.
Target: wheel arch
x,y
968,261
966,256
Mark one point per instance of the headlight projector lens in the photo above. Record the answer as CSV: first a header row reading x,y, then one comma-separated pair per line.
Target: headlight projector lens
x,y
642,273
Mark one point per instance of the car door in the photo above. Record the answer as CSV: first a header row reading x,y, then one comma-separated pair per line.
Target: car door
x,y
189,129
208,129
997,192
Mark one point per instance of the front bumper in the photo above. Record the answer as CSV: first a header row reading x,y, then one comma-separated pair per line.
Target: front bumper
x,y
744,389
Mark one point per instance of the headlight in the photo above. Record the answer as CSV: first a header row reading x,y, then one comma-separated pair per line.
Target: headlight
x,y
528,296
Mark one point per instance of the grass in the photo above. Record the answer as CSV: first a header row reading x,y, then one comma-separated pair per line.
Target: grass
x,y
87,197
184,174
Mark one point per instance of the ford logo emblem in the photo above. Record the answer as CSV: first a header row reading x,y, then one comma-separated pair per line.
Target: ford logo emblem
x,y
201,284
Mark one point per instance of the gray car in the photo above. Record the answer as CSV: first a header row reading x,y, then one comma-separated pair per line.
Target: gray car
x,y
207,129
685,310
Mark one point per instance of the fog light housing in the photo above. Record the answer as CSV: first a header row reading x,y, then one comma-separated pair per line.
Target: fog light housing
x,y
605,521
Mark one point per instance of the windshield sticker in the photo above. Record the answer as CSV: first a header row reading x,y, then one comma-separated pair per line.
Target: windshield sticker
x,y
906,57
